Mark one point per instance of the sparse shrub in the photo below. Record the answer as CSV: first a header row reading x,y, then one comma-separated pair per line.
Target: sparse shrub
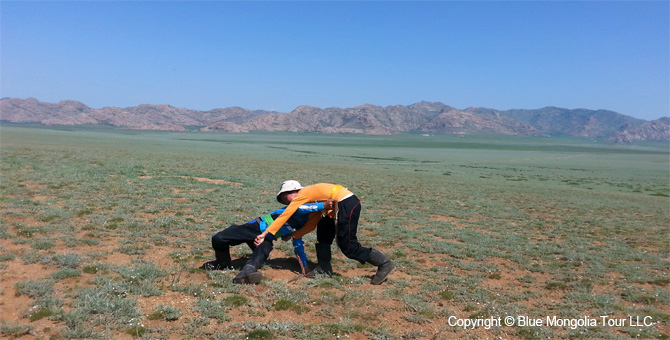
x,y
168,313
42,245
109,300
212,308
192,290
447,294
416,318
137,331
65,273
141,278
133,249
555,285
35,289
397,254
7,257
40,314
70,260
494,276
343,328
16,331
83,212
526,279
236,300
289,305
93,269
260,334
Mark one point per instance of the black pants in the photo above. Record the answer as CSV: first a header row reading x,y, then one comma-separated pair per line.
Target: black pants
x,y
244,233
236,234
348,212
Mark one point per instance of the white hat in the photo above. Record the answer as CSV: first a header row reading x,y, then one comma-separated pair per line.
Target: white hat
x,y
286,187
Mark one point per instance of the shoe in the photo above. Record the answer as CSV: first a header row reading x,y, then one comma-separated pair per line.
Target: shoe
x,y
248,276
318,271
384,266
211,265
323,257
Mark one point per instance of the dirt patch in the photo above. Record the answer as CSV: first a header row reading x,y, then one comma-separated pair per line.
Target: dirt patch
x,y
460,223
209,180
199,179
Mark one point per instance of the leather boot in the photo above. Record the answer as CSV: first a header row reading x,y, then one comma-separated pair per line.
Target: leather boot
x,y
323,257
260,254
384,266
248,275
222,261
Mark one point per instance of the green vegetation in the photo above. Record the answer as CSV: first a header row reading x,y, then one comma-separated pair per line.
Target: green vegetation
x,y
102,232
162,312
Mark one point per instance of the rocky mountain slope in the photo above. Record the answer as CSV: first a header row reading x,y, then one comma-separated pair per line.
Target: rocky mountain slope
x,y
422,117
655,130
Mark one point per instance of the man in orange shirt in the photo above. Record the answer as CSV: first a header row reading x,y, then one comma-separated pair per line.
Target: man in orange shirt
x,y
340,223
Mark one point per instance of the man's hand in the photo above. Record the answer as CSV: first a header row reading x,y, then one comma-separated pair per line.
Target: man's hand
x,y
260,238
329,204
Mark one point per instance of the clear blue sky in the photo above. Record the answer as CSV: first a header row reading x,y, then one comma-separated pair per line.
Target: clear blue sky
x,y
279,55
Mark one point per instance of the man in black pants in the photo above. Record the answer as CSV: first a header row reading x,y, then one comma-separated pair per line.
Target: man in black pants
x,y
345,234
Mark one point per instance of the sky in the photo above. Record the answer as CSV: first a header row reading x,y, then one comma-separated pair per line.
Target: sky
x,y
278,55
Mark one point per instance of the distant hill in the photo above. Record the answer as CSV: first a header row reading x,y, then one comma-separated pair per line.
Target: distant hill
x,y
655,130
422,117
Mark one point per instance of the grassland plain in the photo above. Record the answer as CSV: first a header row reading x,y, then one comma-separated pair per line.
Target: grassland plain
x,y
102,231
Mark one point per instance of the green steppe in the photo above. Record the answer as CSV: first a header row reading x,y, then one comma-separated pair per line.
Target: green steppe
x,y
102,232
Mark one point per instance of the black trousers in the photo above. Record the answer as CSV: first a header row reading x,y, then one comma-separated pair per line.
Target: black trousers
x,y
236,234
348,212
244,233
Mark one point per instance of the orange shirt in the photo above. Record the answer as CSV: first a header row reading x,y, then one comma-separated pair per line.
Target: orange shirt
x,y
313,193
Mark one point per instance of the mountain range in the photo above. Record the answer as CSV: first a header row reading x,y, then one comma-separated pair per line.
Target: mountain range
x,y
421,117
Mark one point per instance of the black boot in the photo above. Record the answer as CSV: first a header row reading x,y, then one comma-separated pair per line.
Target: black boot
x,y
211,265
248,275
323,257
384,266
223,257
222,261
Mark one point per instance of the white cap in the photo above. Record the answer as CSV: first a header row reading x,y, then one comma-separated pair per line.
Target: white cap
x,y
286,187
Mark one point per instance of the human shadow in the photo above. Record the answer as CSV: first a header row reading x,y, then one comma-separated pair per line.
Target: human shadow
x,y
285,263
275,263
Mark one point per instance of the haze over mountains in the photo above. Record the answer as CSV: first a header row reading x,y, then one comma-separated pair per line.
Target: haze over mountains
x,y
422,117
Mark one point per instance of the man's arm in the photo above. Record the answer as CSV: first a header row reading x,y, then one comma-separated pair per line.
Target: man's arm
x,y
299,250
310,225
311,207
